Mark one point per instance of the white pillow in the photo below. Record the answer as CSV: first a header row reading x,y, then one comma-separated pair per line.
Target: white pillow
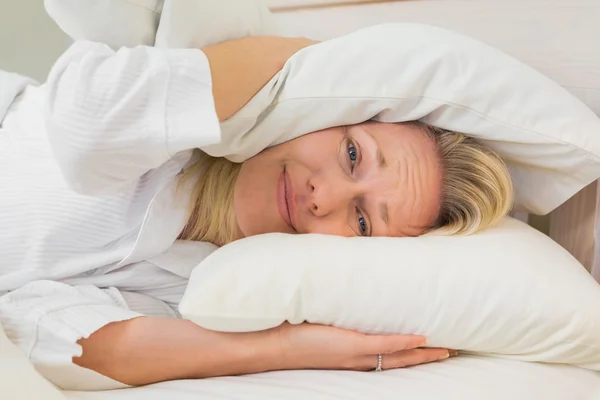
x,y
117,23
567,55
400,72
162,23
509,291
196,24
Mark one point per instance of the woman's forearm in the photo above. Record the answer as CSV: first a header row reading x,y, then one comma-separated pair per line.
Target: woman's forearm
x,y
147,350
240,68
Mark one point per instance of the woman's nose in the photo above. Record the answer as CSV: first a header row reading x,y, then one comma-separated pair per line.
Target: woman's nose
x,y
328,197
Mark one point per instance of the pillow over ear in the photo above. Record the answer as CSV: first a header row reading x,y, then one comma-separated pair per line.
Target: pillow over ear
x,y
550,140
402,72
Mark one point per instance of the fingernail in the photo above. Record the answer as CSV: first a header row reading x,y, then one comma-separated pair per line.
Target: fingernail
x,y
454,353
445,356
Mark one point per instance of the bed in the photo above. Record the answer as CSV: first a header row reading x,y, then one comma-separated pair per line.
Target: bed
x,y
559,46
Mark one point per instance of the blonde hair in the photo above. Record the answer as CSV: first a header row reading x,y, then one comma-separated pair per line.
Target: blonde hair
x,y
476,190
211,214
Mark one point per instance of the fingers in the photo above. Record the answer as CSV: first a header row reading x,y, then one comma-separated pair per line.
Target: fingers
x,y
388,344
407,358
414,357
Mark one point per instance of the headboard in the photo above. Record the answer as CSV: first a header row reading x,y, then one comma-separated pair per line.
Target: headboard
x,y
574,225
569,56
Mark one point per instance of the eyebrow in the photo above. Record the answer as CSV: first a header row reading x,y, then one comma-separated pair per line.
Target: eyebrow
x,y
382,163
380,158
383,212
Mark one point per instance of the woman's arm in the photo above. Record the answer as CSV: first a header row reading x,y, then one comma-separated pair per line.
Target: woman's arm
x,y
111,116
240,68
147,350
61,327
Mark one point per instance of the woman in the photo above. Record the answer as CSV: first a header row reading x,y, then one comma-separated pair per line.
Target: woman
x,y
100,179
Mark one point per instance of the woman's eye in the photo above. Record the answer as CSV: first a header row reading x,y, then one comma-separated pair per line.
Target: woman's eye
x,y
362,224
352,154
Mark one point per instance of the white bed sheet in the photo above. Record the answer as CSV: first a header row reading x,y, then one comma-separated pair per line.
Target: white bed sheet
x,y
463,378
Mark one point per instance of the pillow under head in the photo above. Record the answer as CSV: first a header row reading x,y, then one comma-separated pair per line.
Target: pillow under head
x,y
509,291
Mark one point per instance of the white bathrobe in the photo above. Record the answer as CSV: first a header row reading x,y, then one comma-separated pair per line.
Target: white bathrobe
x,y
88,212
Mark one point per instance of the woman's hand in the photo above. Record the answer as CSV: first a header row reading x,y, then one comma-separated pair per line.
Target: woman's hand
x,y
308,346
240,68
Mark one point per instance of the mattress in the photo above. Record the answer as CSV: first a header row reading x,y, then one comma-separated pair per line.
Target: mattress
x,y
462,378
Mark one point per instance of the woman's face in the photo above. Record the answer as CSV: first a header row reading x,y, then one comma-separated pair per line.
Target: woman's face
x,y
372,179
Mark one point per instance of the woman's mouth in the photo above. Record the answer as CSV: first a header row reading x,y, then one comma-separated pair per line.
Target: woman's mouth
x,y
284,199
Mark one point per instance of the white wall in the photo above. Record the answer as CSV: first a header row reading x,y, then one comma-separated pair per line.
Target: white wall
x,y
30,42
